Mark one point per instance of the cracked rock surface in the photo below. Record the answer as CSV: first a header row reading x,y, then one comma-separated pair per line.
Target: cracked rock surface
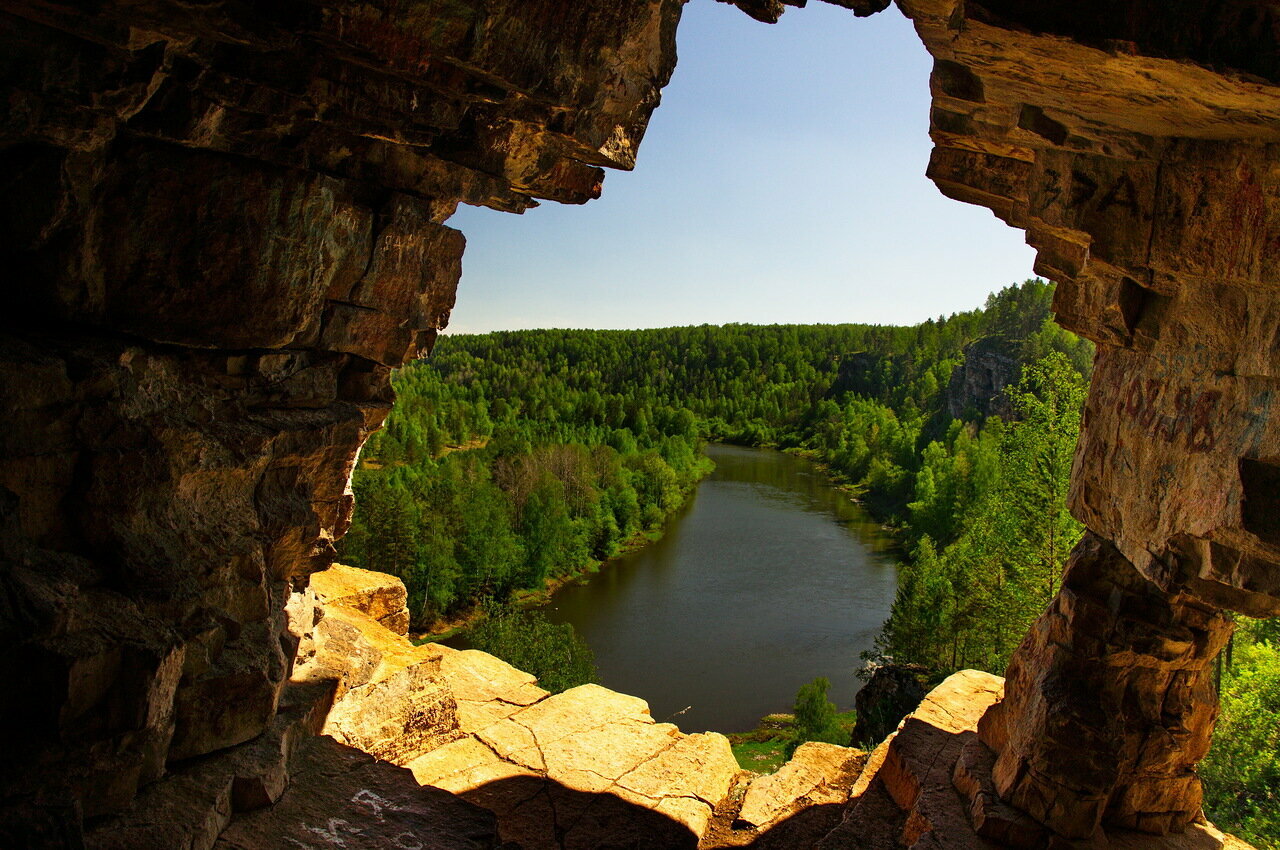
x,y
583,768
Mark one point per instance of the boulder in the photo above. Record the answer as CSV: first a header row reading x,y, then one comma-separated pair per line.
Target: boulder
x,y
583,743
817,774
378,595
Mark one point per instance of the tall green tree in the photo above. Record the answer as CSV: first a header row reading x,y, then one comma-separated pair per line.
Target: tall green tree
x,y
1242,771
815,716
968,604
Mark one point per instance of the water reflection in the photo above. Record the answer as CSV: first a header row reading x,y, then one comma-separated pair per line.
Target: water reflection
x,y
768,577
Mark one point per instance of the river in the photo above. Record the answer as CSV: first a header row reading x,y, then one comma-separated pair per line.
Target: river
x,y
766,578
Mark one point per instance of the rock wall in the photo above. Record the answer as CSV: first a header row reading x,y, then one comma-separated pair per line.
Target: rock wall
x,y
929,787
1109,702
978,383
1136,145
224,223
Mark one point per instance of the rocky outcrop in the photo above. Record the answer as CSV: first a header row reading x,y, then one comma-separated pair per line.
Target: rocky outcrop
x,y
345,798
978,382
796,806
196,801
585,768
390,701
222,226
1143,181
373,594
817,774
891,693
590,768
928,787
1128,748
1136,151
914,766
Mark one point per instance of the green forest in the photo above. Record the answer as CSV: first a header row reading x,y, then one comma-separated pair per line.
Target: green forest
x,y
515,460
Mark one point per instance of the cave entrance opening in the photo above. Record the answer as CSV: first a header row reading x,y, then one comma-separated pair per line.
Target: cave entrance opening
x,y
782,181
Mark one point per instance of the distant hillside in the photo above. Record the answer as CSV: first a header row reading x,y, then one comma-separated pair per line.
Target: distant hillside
x,y
514,459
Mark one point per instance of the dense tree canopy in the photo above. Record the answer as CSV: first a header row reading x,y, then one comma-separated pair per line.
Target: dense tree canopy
x,y
991,530
526,639
514,459
1242,773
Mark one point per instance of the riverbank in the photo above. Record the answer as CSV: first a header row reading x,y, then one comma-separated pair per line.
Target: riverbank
x,y
770,578
537,598
534,598
839,481
764,748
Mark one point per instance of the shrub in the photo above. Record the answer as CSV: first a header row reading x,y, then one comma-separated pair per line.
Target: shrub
x,y
816,716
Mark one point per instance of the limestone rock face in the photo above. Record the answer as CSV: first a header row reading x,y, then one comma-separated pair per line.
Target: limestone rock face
x,y
345,798
929,786
192,805
587,748
1114,696
373,594
469,724
395,705
1136,148
977,384
905,796
1143,178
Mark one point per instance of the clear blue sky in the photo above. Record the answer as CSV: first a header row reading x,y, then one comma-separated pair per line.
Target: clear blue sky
x,y
781,180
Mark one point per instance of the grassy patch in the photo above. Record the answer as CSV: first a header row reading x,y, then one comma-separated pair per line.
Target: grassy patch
x,y
762,756
764,748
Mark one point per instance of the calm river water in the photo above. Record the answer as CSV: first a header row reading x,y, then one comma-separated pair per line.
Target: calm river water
x,y
768,577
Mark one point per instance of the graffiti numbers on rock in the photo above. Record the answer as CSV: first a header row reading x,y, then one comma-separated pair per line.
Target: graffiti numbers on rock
x,y
374,803
1191,420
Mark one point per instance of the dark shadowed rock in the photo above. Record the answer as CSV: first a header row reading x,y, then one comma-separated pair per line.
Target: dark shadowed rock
x,y
978,382
892,692
345,798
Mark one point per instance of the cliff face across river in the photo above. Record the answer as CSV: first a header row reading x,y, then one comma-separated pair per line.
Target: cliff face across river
x,y
768,577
